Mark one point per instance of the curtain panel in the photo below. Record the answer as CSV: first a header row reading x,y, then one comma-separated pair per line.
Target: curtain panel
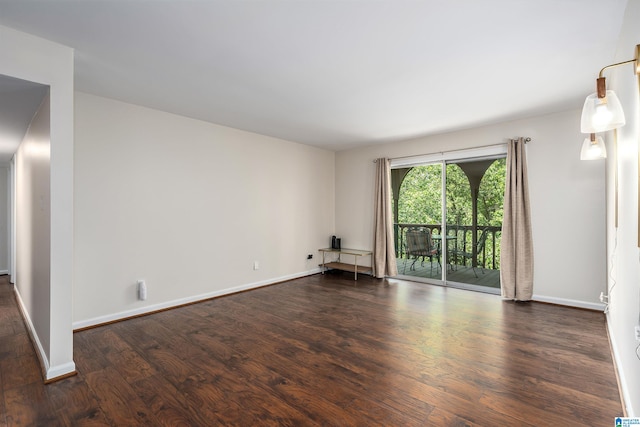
x,y
516,256
384,255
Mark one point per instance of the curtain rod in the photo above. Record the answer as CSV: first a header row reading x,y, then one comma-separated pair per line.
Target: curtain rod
x,y
527,139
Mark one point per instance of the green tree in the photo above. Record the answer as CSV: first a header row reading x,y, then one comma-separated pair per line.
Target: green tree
x,y
421,196
491,194
459,207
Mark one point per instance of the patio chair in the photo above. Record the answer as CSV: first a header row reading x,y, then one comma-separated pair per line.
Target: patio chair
x,y
419,244
479,249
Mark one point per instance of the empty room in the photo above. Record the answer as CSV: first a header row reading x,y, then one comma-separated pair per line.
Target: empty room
x,y
319,212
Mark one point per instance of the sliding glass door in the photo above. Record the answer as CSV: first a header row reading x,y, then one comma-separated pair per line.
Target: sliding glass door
x,y
448,219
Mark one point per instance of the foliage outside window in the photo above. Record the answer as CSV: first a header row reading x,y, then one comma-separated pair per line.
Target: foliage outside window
x,y
420,202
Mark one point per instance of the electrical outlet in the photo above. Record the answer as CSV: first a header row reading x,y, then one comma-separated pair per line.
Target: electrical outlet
x,y
637,332
256,265
604,298
310,256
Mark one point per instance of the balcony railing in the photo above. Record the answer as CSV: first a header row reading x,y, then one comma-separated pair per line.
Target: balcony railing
x,y
460,239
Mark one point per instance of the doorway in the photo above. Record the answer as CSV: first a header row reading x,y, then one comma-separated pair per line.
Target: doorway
x,y
51,65
448,219
19,102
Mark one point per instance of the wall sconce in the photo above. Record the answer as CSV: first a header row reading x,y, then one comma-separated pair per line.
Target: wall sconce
x,y
593,148
601,112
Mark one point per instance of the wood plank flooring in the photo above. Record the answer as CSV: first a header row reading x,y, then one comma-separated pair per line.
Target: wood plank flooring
x,y
324,350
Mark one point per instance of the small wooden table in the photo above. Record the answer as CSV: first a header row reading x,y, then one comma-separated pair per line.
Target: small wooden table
x,y
338,265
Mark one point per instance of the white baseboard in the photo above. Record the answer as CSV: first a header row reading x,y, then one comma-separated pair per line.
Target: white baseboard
x,y
60,371
42,355
49,372
622,378
3,272
570,302
188,300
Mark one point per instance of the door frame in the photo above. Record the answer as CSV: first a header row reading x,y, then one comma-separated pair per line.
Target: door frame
x,y
489,152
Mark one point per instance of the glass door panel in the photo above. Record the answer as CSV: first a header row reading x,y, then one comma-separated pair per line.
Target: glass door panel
x,y
417,209
474,202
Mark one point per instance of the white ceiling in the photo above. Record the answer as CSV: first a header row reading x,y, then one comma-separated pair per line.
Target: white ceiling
x,y
334,73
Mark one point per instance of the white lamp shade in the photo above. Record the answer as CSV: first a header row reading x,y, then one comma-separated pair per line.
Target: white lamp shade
x,y
592,150
601,114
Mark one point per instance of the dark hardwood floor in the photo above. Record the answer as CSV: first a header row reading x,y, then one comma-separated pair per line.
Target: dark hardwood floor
x,y
323,350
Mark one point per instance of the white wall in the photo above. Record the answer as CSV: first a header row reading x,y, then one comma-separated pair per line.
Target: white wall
x,y
31,58
567,200
188,206
33,224
4,219
623,254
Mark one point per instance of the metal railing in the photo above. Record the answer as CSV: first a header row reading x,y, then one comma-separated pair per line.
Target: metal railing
x,y
462,241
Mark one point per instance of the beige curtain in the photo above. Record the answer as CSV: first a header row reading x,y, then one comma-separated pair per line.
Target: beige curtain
x,y
516,250
384,255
